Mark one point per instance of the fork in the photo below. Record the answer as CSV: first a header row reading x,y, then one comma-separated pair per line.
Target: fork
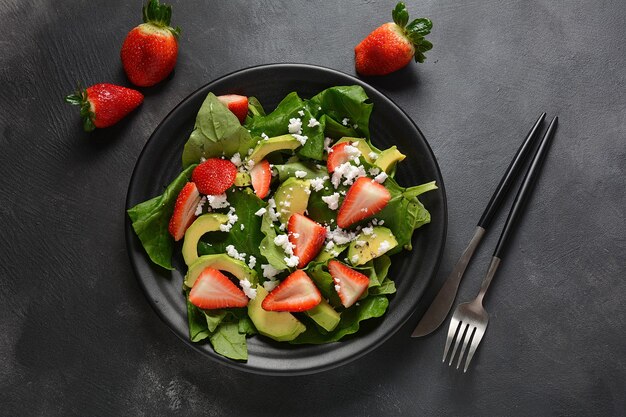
x,y
469,321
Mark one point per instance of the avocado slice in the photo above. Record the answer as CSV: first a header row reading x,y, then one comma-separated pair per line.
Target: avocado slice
x,y
242,179
280,326
221,262
206,223
371,245
324,315
326,254
277,143
388,158
291,197
361,145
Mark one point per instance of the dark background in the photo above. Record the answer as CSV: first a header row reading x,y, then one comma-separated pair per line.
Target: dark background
x,y
77,335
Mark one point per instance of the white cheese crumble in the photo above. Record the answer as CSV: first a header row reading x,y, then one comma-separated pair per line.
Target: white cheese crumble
x,y
295,125
300,174
271,204
318,183
260,211
332,201
251,262
354,259
233,253
373,155
313,122
349,172
264,136
383,247
218,201
368,230
246,286
301,113
236,159
345,121
300,138
269,271
337,287
374,171
380,178
327,142
340,236
283,242
270,285
292,261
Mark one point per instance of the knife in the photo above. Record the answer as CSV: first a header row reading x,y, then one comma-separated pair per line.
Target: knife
x,y
441,305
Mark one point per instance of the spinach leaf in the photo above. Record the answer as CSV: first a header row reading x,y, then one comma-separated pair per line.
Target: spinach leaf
x,y
404,213
274,254
314,146
255,107
345,102
248,240
228,342
214,318
276,123
151,218
198,329
370,307
217,132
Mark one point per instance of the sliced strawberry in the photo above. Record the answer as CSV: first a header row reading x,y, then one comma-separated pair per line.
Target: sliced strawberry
x,y
236,104
296,293
307,236
214,176
261,176
350,284
340,154
184,210
213,289
365,198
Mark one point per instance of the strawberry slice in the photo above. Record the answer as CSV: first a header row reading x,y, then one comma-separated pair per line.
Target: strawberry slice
x,y
213,289
236,104
350,284
261,176
340,154
365,198
307,236
296,293
214,176
184,210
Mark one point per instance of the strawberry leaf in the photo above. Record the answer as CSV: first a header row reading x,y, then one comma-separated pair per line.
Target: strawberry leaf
x,y
400,15
421,26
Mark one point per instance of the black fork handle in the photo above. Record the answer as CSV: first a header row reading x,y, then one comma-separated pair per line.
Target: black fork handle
x,y
525,189
509,176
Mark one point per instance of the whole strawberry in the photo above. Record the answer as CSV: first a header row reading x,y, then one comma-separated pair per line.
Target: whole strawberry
x,y
150,50
392,45
103,105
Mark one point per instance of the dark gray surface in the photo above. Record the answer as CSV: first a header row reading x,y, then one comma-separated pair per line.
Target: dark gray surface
x,y
79,338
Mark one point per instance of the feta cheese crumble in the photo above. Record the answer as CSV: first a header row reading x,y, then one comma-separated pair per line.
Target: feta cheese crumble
x,y
292,261
300,174
260,211
345,121
384,247
301,112
269,271
217,201
246,286
313,122
295,125
373,155
236,159
380,178
233,253
318,183
251,262
332,201
200,206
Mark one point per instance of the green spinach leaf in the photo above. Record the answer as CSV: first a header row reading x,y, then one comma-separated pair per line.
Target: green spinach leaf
x,y
228,342
151,218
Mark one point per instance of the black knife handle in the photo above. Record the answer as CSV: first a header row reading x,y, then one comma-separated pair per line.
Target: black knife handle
x,y
525,189
509,176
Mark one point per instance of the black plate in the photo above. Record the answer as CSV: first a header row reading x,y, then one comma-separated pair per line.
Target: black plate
x,y
160,162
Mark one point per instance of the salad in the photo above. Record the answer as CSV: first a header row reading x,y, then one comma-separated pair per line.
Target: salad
x,y
287,220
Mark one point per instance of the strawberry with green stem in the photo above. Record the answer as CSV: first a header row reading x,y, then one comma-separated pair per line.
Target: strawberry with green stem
x,y
150,50
103,105
392,45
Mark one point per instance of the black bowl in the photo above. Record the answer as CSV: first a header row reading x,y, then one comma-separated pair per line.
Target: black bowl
x,y
160,162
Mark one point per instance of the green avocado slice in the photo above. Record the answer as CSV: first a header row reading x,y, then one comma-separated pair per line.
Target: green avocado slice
x,y
367,247
206,223
280,326
220,262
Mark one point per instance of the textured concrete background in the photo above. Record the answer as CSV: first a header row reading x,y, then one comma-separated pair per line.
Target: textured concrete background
x,y
78,337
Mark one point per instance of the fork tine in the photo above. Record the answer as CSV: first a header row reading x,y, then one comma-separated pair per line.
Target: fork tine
x,y
463,329
452,330
470,335
478,335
